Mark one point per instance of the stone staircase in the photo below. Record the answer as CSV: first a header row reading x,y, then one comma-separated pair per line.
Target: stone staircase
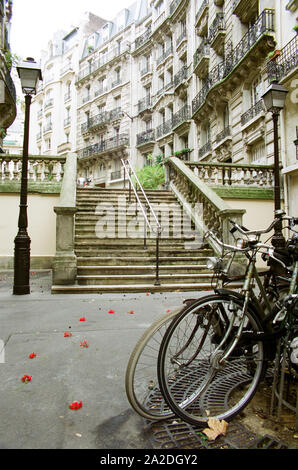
x,y
109,245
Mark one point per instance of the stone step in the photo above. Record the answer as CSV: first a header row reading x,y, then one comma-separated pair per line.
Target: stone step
x,y
140,260
133,270
128,279
140,252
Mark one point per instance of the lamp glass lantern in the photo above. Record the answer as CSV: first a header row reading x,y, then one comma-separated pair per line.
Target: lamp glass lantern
x,y
29,74
275,97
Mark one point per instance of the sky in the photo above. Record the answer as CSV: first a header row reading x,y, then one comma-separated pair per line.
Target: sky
x,y
34,21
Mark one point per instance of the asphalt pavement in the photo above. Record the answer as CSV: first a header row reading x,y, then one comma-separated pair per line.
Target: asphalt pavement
x,y
36,414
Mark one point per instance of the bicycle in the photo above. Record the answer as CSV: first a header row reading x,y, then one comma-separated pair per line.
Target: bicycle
x,y
215,353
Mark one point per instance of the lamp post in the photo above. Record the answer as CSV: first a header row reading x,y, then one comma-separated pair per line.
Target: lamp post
x,y
274,101
29,74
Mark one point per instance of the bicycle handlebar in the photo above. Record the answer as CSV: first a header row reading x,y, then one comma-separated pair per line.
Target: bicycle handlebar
x,y
278,218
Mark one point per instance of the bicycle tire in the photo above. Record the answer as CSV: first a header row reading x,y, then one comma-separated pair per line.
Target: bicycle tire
x,y
143,392
194,390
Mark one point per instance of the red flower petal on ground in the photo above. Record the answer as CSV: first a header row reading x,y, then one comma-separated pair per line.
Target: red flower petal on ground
x,y
66,334
26,378
111,311
82,319
131,312
168,311
76,405
84,344
147,293
32,355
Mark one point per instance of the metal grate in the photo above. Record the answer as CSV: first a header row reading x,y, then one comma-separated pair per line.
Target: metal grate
x,y
176,434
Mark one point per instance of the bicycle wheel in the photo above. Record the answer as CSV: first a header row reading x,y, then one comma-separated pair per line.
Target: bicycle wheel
x,y
141,382
194,383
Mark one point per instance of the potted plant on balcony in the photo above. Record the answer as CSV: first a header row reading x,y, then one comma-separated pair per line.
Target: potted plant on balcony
x,y
182,153
274,54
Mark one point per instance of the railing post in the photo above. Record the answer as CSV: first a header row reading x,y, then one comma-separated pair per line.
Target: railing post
x,y
157,283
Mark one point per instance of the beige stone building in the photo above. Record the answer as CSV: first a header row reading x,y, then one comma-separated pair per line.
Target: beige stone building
x,y
54,108
187,76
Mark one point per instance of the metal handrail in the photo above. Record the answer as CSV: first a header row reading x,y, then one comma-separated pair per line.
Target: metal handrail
x,y
128,170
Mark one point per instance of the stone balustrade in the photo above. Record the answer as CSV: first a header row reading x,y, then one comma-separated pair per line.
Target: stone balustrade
x,y
229,174
41,169
207,210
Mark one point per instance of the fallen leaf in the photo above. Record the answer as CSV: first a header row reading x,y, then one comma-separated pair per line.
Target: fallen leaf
x,y
82,319
66,334
131,312
168,311
111,311
216,428
32,355
84,344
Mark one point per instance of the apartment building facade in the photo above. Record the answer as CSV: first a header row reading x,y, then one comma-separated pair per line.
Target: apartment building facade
x,y
184,77
54,108
8,107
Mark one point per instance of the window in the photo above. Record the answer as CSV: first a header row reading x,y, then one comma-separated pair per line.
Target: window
x,y
256,91
257,152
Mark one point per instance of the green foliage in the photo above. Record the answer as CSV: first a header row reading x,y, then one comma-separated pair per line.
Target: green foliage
x,y
151,177
11,59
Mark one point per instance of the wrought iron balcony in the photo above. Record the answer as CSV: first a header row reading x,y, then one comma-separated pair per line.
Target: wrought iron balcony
x,y
142,39
201,58
104,146
286,62
262,26
164,128
205,149
145,137
101,91
217,32
181,116
252,112
180,76
166,54
144,104
67,121
95,121
226,132
48,127
174,5
180,38
49,103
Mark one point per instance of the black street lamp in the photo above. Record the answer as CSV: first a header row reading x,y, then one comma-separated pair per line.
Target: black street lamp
x,y
274,100
29,74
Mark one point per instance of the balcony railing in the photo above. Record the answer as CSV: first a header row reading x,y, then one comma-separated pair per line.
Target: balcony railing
x,y
147,69
144,104
252,112
48,127
180,38
164,128
145,137
101,119
217,26
205,149
263,24
101,91
180,76
174,5
166,54
204,5
142,39
181,116
67,121
49,103
226,132
105,145
116,175
285,63
202,51
103,60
